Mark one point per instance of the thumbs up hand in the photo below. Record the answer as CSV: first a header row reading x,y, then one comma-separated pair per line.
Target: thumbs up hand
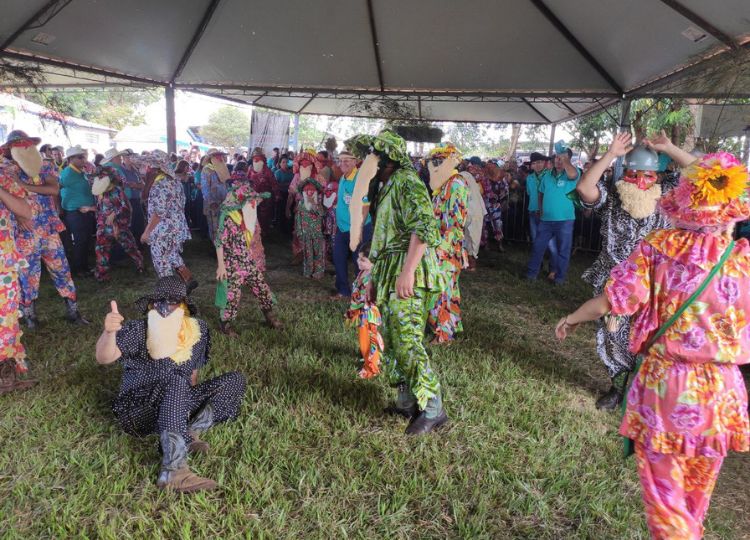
x,y
113,320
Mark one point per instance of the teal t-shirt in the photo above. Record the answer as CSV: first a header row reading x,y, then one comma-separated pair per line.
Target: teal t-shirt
x,y
75,190
532,190
343,219
556,206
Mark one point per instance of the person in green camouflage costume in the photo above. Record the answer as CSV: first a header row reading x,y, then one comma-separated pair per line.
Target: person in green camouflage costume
x,y
405,273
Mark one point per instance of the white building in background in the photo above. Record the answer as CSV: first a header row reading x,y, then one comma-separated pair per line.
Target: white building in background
x,y
153,137
53,128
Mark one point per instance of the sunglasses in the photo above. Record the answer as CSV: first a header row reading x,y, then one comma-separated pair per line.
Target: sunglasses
x,y
436,161
165,307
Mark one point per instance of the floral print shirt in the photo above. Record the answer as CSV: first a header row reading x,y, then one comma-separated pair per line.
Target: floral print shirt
x,y
10,259
46,219
167,200
451,204
114,202
688,397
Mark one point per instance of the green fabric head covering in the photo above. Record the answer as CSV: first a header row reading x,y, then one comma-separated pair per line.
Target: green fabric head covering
x,y
386,142
310,180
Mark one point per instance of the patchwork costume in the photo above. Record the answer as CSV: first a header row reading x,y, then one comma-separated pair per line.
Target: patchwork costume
x,y
12,263
620,232
365,316
496,198
167,200
235,240
308,225
403,208
42,244
214,192
113,214
687,406
450,202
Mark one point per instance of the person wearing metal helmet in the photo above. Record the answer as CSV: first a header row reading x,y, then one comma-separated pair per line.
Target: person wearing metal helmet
x,y
628,214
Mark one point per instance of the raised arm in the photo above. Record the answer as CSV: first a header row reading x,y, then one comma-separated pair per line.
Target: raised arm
x,y
107,351
588,187
662,143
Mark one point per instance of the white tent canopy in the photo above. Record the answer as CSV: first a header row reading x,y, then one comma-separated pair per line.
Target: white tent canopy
x,y
525,61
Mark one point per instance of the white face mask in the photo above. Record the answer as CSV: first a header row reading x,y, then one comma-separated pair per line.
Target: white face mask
x,y
250,216
310,200
439,175
163,333
101,184
29,159
305,172
257,166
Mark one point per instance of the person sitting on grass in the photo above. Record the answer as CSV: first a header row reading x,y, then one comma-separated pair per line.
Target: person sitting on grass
x,y
159,393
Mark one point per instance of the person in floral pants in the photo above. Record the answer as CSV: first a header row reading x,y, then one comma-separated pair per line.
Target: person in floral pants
x,y
451,202
309,226
112,222
13,205
687,404
236,266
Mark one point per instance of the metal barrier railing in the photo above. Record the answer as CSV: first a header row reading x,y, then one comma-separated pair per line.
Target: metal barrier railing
x,y
586,232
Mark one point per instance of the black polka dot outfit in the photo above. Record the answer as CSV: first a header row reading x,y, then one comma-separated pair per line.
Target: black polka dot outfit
x,y
156,395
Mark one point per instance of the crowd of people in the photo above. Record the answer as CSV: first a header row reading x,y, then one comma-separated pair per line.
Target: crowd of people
x,y
411,226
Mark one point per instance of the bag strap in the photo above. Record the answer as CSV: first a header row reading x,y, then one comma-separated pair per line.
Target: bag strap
x,y
664,327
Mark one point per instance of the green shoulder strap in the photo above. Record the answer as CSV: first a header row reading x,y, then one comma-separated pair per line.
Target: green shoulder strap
x,y
673,319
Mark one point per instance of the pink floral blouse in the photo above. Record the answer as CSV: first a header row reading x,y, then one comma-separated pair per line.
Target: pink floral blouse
x,y
689,396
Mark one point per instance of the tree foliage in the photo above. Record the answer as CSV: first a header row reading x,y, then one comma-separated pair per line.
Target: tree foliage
x,y
112,108
228,127
589,132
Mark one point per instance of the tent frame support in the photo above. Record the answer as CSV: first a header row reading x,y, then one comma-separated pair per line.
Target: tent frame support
x,y
701,22
577,45
537,111
31,20
207,16
375,44
171,119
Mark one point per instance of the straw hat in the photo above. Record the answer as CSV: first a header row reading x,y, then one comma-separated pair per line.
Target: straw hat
x,y
75,151
112,153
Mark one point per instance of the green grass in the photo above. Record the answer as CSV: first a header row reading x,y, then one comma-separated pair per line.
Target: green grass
x,y
311,456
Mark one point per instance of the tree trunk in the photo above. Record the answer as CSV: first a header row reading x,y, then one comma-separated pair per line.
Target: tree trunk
x,y
515,134
593,150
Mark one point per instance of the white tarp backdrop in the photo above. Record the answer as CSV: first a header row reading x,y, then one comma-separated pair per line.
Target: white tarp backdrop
x,y
526,61
268,130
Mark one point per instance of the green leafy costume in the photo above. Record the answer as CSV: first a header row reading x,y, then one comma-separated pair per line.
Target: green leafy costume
x,y
404,208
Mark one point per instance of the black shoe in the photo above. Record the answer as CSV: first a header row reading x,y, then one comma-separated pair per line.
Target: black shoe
x,y
421,425
611,400
191,285
407,413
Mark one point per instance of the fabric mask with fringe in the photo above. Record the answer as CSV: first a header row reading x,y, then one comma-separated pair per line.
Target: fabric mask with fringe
x,y
28,158
173,336
638,203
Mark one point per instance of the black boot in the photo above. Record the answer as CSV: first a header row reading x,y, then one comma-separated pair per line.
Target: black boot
x,y
611,400
202,420
421,425
72,315
225,327
29,315
174,473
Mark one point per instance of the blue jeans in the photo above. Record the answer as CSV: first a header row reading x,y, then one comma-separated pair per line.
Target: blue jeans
x,y
534,221
81,227
561,233
341,258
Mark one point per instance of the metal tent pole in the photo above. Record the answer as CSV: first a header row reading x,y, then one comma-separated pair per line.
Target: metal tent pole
x,y
551,139
624,126
171,123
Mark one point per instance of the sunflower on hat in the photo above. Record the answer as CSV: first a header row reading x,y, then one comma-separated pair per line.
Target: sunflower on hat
x,y
712,193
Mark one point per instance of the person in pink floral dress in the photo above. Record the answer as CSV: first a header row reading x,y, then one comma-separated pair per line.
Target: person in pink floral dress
x,y
687,405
